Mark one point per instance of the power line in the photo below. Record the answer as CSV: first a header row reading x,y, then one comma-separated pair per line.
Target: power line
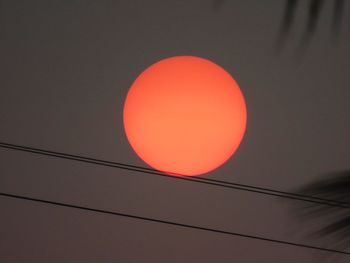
x,y
213,230
224,184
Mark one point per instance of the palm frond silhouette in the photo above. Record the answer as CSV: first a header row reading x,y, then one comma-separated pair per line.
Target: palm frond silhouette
x,y
336,228
289,16
315,8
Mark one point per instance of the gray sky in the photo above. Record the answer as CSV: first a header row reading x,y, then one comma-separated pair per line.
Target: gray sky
x,y
66,68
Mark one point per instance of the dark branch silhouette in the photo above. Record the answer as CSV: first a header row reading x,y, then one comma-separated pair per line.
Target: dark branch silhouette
x,y
336,227
314,11
288,20
315,8
289,15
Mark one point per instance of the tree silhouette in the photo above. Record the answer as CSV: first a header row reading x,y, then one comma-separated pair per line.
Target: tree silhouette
x,y
336,228
314,10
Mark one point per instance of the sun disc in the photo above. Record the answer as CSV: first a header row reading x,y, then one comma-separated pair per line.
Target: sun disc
x,y
185,115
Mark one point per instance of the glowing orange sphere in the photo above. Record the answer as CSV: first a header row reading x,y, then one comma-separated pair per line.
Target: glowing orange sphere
x,y
185,115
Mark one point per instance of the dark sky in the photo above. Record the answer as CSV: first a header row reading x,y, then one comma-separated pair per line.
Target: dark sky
x,y
66,67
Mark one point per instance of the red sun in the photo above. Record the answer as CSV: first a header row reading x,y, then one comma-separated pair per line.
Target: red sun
x,y
185,115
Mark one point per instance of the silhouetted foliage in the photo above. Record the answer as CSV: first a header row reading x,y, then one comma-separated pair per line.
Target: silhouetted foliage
x,y
314,10
336,228
289,16
287,22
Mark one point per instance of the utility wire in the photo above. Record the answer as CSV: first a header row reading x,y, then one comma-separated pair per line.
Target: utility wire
x,y
224,184
149,219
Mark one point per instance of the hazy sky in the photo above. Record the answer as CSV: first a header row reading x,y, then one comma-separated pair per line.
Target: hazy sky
x,y
66,67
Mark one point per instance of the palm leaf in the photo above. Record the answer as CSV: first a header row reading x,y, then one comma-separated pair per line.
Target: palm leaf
x,y
336,220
